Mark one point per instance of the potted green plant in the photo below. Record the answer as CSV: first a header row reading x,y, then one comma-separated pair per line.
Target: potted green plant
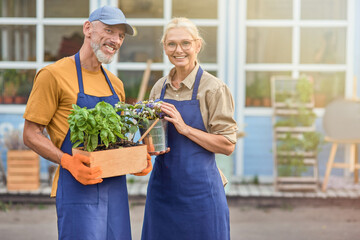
x,y
11,85
263,91
250,95
23,91
107,136
304,89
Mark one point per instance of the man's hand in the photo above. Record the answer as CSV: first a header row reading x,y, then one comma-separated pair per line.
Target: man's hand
x,y
147,169
77,165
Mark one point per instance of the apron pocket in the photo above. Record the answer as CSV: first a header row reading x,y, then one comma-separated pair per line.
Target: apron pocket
x,y
74,192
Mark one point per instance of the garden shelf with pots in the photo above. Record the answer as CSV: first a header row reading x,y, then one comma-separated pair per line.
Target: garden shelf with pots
x,y
295,140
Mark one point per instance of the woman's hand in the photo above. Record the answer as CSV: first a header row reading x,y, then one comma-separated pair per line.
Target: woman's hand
x,y
211,142
175,118
159,153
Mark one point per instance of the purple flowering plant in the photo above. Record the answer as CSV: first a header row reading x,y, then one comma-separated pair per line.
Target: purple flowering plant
x,y
138,115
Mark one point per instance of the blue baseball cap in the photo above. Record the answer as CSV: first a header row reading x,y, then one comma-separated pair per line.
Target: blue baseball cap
x,y
111,16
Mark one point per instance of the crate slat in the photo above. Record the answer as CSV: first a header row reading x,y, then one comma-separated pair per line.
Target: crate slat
x,y
23,170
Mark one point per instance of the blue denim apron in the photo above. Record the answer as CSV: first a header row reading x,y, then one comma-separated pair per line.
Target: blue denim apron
x,y
185,196
91,212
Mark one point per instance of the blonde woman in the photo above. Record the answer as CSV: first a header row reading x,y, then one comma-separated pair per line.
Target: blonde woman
x,y
185,197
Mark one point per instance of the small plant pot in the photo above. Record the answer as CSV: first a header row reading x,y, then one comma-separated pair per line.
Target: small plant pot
x,y
8,100
266,102
156,140
19,100
117,162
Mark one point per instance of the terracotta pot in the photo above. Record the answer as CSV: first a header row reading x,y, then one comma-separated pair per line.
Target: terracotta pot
x,y
320,100
266,102
8,100
23,170
19,100
256,102
116,162
248,101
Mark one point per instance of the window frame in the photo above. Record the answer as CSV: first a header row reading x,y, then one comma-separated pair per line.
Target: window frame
x,y
40,22
295,67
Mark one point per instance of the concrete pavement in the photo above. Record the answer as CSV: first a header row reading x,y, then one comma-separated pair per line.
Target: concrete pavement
x,y
250,220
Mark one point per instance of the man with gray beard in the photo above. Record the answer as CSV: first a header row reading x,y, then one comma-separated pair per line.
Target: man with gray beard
x,y
88,207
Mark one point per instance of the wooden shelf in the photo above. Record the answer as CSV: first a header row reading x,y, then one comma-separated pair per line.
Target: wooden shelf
x,y
296,154
283,110
307,161
292,105
297,187
295,129
296,179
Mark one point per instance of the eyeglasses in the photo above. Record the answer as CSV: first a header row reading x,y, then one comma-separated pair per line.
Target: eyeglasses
x,y
184,44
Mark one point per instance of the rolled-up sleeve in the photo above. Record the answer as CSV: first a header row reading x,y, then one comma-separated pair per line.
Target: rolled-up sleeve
x,y
221,108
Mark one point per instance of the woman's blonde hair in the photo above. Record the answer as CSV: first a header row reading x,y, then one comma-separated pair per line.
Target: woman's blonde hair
x,y
181,22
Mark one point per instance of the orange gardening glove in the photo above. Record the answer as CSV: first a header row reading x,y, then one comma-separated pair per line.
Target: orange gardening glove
x,y
147,169
77,165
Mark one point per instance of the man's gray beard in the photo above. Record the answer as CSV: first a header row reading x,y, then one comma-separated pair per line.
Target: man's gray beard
x,y
100,55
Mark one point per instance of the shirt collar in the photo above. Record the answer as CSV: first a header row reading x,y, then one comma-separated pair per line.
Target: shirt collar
x,y
188,81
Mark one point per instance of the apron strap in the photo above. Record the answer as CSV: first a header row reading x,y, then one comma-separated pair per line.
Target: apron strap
x,y
79,73
196,85
163,89
108,81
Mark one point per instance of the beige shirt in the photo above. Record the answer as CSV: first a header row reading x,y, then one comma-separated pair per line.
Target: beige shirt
x,y
216,102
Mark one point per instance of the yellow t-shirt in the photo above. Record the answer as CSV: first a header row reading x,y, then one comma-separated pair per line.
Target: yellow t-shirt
x,y
54,91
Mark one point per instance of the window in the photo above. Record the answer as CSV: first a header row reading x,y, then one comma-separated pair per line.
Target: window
x,y
142,8
18,8
145,45
269,45
66,9
195,9
16,85
269,9
294,38
132,83
18,43
149,17
37,38
20,40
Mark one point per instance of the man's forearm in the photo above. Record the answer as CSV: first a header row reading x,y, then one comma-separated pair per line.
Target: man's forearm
x,y
35,139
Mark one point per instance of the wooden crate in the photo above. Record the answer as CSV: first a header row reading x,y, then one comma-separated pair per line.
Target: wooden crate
x,y
116,162
23,170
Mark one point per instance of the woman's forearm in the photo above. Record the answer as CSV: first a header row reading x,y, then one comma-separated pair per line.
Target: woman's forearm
x,y
211,142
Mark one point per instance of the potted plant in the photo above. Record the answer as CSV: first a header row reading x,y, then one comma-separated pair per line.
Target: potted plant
x,y
23,168
24,89
143,115
107,137
11,84
263,90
